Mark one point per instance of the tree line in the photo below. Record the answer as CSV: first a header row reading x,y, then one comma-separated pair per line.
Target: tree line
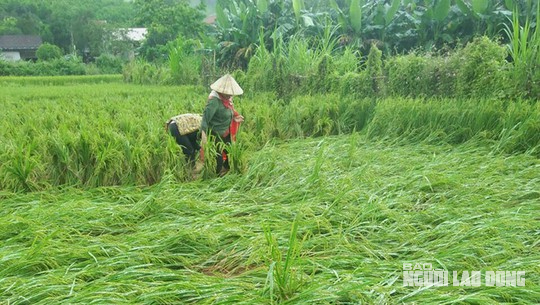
x,y
87,27
241,26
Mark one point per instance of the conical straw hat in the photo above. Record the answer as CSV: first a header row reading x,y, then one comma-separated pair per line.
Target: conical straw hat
x,y
227,85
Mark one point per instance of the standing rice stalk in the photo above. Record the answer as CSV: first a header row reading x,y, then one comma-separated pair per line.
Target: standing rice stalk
x,y
283,279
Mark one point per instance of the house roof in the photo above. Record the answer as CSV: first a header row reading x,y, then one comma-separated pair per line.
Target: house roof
x,y
20,42
133,34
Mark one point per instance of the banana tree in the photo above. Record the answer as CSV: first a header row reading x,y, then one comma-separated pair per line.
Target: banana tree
x,y
349,16
237,30
428,22
488,16
241,23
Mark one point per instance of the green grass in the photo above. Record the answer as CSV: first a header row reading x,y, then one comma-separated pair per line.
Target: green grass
x,y
357,210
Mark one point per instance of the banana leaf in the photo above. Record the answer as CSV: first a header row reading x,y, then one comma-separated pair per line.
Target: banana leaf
x,y
355,13
341,16
391,11
298,5
262,5
221,17
480,6
464,8
509,4
441,10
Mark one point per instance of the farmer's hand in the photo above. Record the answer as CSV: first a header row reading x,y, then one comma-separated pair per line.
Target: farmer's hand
x,y
239,118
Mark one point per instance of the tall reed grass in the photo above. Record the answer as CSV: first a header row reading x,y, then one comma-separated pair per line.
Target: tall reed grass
x,y
524,47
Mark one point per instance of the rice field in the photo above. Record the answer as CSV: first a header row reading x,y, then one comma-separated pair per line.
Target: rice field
x,y
98,210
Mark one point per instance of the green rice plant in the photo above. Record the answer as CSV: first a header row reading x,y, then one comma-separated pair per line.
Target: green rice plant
x,y
60,163
283,278
314,178
262,237
520,126
436,121
236,154
210,150
111,134
21,169
58,80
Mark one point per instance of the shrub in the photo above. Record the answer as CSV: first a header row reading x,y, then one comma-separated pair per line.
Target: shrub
x,y
184,62
440,76
259,71
406,75
48,52
109,64
482,69
357,85
143,72
6,69
346,62
60,66
375,71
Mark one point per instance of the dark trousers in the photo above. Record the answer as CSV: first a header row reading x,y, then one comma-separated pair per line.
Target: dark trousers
x,y
188,142
220,163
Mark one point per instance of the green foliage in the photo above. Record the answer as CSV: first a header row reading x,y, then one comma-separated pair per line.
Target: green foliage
x,y
59,80
143,72
374,68
406,75
482,69
376,205
109,64
185,61
8,26
48,51
124,142
356,84
346,62
64,66
478,70
283,279
396,27
76,26
524,47
59,66
242,27
295,67
166,21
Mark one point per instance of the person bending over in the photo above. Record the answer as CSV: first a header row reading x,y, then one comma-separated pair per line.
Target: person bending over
x,y
185,128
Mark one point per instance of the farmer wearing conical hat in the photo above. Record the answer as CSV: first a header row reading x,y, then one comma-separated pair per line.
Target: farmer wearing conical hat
x,y
219,117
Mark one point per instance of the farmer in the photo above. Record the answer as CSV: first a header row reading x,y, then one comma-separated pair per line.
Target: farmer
x,y
220,119
184,128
